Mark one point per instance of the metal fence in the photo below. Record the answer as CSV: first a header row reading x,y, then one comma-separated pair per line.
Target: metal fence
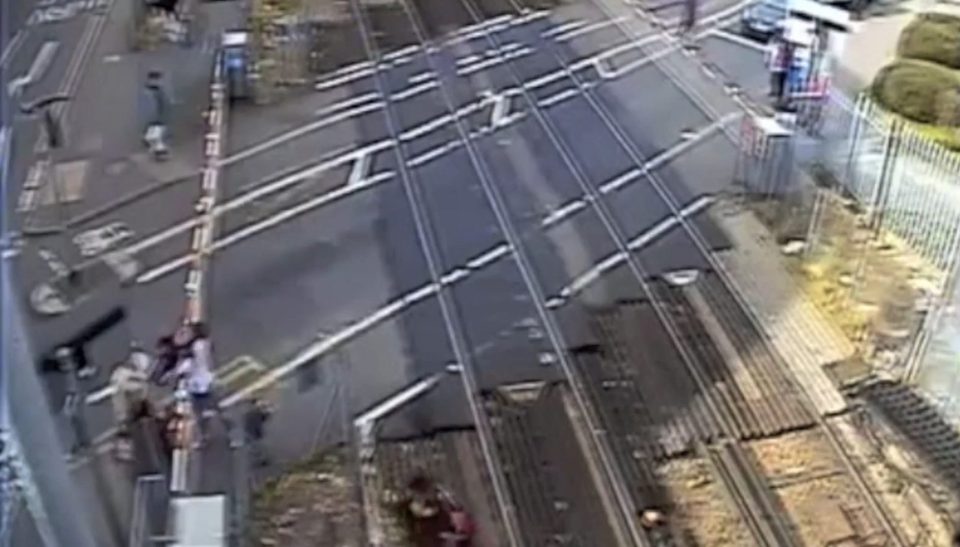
x,y
149,522
906,182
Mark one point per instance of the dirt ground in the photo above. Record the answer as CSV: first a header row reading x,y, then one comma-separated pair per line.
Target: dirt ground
x,y
701,509
815,490
314,505
910,504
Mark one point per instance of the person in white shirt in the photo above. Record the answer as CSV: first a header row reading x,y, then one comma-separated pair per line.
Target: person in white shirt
x,y
196,369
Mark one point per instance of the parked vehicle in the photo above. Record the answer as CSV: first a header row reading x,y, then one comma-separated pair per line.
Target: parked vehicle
x,y
762,19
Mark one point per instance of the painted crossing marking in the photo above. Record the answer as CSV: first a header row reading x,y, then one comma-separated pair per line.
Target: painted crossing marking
x,y
11,48
389,310
57,13
595,272
347,104
359,184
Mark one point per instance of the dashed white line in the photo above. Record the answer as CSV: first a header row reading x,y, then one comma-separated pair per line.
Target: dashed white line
x,y
384,313
454,276
11,48
563,28
425,128
433,153
493,61
300,131
562,213
421,77
412,91
560,96
486,258
347,103
599,25
336,81
594,273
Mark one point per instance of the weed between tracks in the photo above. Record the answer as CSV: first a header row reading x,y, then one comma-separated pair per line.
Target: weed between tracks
x,y
821,499
314,504
700,510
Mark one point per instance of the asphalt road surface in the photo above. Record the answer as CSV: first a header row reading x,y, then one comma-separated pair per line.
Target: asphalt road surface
x,y
465,179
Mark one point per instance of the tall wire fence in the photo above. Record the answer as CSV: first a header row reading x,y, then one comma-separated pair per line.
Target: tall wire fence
x,y
896,215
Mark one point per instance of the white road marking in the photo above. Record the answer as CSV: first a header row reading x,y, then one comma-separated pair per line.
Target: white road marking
x,y
594,273
300,131
599,25
361,165
425,127
402,52
469,59
563,212
28,193
336,194
490,256
558,97
342,115
493,61
11,48
331,342
433,153
421,77
252,229
41,63
563,27
501,105
337,81
56,265
57,13
412,91
622,180
454,276
347,103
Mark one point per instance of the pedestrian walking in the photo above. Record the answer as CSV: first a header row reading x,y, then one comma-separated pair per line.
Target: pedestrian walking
x,y
777,59
689,16
166,360
196,368
254,428
198,383
157,113
130,382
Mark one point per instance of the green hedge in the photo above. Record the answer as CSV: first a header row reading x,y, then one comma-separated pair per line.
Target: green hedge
x,y
918,90
933,37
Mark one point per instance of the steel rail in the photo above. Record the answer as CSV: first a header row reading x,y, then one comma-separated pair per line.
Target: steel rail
x,y
498,205
721,413
723,274
426,235
718,412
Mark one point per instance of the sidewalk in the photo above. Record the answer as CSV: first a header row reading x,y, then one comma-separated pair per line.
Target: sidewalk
x,y
874,43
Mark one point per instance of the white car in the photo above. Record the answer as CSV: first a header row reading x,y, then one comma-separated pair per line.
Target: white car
x,y
96,241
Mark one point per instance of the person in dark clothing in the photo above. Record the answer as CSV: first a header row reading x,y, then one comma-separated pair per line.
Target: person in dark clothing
x,y
689,16
254,428
166,358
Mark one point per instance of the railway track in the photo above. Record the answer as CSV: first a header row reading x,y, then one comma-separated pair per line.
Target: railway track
x,y
533,434
427,236
598,451
718,414
752,496
721,413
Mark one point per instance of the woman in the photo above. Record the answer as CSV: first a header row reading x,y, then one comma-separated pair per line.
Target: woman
x,y
196,368
198,383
